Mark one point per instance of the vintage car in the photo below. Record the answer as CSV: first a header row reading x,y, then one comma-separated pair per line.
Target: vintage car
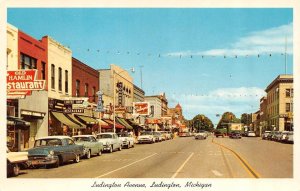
x,y
235,135
219,134
16,161
127,139
158,136
110,141
90,144
201,135
53,151
146,137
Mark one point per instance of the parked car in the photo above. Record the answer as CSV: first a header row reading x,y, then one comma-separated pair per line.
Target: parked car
x,y
289,138
251,134
235,135
169,135
53,151
16,161
219,134
271,135
127,139
164,135
146,137
158,136
277,136
265,134
283,135
90,143
110,141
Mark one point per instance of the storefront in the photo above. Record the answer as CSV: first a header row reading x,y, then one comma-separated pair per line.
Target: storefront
x,y
17,131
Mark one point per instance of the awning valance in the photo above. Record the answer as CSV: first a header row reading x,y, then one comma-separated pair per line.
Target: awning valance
x,y
17,122
65,120
124,123
111,124
88,120
76,120
134,124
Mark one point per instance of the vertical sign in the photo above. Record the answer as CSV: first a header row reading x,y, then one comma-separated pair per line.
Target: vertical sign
x,y
100,102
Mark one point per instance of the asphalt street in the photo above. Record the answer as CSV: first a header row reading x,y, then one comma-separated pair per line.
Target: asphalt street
x,y
183,157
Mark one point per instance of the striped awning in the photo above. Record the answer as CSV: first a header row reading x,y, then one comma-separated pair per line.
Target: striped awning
x,y
76,120
88,120
124,123
66,121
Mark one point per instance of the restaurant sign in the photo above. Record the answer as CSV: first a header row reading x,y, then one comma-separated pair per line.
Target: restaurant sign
x,y
23,80
141,108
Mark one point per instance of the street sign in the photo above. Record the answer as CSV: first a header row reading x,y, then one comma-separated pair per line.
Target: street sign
x,y
100,102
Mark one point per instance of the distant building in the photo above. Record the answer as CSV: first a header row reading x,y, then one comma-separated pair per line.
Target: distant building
x,y
280,103
154,120
138,94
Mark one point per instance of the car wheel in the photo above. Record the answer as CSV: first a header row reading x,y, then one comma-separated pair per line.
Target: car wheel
x,y
128,146
16,170
132,145
77,158
120,148
88,154
111,149
99,153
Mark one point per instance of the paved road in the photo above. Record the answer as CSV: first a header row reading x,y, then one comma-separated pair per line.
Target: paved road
x,y
183,158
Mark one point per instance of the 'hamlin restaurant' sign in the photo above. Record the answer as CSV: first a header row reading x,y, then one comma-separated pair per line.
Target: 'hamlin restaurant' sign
x,y
23,80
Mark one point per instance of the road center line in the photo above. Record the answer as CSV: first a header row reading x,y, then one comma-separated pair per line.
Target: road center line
x,y
125,166
181,167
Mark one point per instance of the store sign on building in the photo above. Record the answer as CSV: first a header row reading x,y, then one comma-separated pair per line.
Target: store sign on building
x,y
73,106
141,108
23,80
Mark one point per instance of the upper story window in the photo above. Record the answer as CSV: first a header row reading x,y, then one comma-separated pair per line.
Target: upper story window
x,y
94,93
28,62
52,76
43,70
59,79
66,81
289,92
86,90
77,86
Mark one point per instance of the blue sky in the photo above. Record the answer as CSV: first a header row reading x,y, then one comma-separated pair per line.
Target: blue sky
x,y
205,59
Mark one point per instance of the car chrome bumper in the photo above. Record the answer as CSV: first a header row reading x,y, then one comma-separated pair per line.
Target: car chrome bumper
x,y
36,161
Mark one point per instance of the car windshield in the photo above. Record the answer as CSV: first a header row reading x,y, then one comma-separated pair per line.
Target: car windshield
x,y
104,136
47,142
146,133
78,139
123,135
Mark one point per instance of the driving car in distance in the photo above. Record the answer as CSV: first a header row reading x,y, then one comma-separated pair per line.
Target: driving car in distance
x,y
201,135
219,134
265,134
90,143
235,135
251,134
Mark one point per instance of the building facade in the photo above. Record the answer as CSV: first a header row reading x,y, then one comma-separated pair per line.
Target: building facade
x,y
154,121
25,53
280,103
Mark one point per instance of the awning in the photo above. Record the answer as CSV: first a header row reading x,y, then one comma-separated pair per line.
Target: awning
x,y
124,123
88,120
111,124
63,119
75,120
134,124
17,122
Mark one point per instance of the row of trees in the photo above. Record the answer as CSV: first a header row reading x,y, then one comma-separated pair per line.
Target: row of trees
x,y
201,122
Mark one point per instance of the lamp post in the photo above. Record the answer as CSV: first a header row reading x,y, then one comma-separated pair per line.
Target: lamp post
x,y
114,94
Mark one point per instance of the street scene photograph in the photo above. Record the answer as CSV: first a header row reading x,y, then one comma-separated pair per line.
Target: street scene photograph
x,y
173,93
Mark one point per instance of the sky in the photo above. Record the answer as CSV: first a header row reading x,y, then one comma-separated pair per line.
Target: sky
x,y
208,60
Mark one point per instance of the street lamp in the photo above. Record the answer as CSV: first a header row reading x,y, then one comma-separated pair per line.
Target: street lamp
x,y
114,93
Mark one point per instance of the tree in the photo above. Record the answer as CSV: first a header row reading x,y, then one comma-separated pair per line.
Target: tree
x,y
227,117
201,122
246,119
